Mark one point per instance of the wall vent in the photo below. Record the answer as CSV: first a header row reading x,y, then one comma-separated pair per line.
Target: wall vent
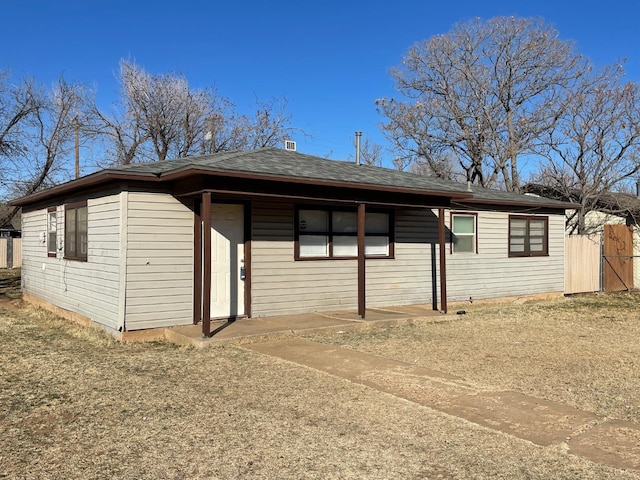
x,y
290,145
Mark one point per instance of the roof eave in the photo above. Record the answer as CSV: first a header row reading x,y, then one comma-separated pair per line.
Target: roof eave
x,y
506,203
84,182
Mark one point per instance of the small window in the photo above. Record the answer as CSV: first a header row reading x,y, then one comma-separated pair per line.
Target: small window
x,y
52,232
377,240
528,236
75,231
327,233
463,229
313,228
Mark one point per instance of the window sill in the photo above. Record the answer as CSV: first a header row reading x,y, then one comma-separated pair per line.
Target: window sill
x,y
367,257
76,259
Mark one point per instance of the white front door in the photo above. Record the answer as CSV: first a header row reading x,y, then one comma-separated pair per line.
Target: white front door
x,y
227,260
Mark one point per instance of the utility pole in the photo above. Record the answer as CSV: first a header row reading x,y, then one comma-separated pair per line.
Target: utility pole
x,y
77,125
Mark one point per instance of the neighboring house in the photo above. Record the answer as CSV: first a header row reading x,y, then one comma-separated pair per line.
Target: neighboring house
x,y
270,232
9,231
10,246
10,228
611,208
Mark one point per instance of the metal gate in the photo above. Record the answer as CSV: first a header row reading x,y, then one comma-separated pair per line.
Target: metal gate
x,y
617,258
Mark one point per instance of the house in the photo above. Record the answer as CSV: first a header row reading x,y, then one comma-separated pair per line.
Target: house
x,y
605,208
269,232
9,231
9,227
609,208
10,251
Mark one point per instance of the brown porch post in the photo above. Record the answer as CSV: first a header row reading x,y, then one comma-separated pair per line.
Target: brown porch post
x,y
361,264
197,262
248,211
206,259
443,263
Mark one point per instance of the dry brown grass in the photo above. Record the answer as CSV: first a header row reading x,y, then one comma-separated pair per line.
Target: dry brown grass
x,y
581,351
10,283
76,404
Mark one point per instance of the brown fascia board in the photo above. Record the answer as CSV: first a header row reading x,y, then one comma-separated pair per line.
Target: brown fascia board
x,y
97,178
187,172
504,203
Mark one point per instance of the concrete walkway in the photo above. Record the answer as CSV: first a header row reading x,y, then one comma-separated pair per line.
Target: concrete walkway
x,y
615,443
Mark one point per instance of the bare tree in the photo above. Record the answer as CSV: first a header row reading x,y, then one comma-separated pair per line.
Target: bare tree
x,y
40,137
370,153
224,128
595,147
18,104
271,124
161,116
443,165
485,92
124,133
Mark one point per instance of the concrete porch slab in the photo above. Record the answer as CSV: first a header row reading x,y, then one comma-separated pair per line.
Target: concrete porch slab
x,y
386,313
289,325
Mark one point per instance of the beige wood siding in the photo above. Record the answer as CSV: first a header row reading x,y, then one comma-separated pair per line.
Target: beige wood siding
x,y
281,285
159,266
89,288
492,273
407,279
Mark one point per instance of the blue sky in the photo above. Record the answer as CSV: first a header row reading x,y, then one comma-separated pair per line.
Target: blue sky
x,y
331,59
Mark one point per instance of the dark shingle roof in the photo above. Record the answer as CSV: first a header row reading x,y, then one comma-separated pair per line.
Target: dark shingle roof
x,y
613,203
282,165
273,162
276,163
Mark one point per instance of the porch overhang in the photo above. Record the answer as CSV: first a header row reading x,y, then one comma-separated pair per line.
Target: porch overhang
x,y
205,189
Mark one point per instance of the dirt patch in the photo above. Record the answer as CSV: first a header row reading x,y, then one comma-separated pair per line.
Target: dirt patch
x,y
10,283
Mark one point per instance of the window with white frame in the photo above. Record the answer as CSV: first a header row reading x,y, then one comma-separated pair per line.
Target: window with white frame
x,y
333,233
463,229
52,232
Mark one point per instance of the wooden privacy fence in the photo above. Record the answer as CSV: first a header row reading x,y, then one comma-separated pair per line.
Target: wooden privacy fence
x,y
582,263
10,252
617,258
594,263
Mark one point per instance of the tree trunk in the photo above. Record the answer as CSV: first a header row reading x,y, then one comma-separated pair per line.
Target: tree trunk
x,y
514,184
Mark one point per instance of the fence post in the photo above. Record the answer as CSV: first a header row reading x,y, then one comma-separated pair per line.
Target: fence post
x,y
602,261
9,252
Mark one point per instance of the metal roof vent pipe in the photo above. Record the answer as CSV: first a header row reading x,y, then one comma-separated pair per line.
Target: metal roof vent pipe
x,y
637,188
358,135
